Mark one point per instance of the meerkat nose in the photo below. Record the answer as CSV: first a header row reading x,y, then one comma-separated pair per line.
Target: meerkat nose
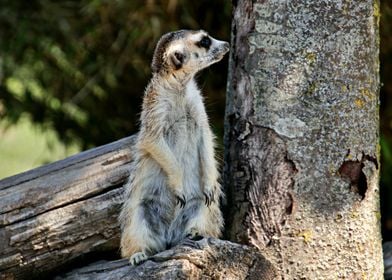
x,y
226,46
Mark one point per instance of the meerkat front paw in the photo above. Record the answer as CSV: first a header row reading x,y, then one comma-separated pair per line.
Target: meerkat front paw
x,y
180,199
175,183
138,258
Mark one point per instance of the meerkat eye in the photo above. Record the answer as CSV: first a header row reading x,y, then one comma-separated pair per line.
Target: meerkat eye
x,y
205,42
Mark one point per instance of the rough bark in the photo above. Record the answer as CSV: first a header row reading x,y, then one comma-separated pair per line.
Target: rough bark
x,y
56,213
205,259
301,136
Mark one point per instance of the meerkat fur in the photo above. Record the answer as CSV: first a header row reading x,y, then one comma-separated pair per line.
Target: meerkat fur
x,y
173,191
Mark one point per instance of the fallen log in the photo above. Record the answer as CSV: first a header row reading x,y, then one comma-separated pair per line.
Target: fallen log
x,y
208,258
56,213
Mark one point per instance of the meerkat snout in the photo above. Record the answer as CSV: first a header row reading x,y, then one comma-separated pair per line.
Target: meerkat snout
x,y
221,49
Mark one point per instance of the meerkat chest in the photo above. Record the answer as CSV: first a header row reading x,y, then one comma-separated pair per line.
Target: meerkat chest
x,y
187,117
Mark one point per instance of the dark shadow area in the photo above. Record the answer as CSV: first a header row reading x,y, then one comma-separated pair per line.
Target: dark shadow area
x,y
80,262
386,118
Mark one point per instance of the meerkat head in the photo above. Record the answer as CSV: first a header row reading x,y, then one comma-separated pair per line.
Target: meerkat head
x,y
185,52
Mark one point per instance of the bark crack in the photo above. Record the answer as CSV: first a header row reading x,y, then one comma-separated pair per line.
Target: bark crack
x,y
89,196
263,185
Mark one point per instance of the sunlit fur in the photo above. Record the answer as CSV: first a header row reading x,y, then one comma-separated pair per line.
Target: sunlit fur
x,y
173,154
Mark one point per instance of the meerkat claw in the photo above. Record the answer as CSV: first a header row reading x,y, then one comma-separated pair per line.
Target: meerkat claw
x,y
181,200
138,258
208,198
190,243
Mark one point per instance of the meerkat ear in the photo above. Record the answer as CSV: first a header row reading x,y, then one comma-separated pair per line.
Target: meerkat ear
x,y
178,59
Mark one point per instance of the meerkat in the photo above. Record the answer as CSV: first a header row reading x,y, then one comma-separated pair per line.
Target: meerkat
x,y
173,191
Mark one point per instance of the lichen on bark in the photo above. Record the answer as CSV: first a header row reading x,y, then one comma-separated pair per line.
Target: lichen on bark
x,y
304,81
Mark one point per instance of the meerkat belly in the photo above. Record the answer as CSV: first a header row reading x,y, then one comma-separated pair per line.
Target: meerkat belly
x,y
184,139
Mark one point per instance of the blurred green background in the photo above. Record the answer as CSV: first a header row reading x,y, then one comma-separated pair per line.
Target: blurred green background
x,y
72,75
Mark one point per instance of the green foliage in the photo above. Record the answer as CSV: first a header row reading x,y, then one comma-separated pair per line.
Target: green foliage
x,y
25,146
81,67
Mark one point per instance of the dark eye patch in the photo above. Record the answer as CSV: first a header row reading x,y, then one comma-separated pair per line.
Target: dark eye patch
x,y
205,42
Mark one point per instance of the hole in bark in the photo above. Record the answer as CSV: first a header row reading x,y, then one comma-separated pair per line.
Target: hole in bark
x,y
290,204
352,171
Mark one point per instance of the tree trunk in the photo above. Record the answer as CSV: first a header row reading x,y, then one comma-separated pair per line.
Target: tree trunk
x,y
62,211
205,259
301,136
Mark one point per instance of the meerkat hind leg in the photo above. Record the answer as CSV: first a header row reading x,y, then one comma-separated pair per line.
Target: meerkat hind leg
x,y
183,227
149,229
